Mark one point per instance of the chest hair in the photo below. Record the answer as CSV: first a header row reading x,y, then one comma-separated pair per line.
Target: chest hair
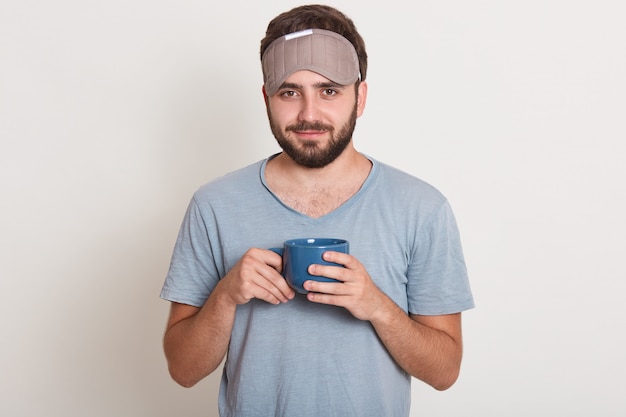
x,y
316,202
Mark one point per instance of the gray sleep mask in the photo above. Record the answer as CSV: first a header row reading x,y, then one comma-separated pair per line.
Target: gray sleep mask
x,y
324,52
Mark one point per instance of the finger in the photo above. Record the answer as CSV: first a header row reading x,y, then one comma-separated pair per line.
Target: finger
x,y
266,266
334,288
268,296
322,298
262,289
329,271
274,283
272,259
251,285
266,257
341,258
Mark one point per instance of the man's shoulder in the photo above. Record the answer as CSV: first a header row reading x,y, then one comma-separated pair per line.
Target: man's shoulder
x,y
400,181
246,176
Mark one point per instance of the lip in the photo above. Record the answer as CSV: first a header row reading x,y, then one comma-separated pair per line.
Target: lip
x,y
310,134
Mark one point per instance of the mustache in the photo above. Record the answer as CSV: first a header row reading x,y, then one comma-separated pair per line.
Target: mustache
x,y
300,126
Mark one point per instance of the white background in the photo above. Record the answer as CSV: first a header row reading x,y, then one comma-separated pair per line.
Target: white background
x,y
113,113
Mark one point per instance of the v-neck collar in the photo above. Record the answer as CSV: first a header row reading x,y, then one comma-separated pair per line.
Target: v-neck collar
x,y
347,204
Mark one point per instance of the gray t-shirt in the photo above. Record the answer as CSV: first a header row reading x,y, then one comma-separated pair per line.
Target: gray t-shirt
x,y
306,359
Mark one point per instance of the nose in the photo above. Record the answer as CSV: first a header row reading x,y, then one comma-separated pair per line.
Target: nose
x,y
309,110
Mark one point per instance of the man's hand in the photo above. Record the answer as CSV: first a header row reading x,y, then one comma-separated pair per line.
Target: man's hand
x,y
196,339
257,275
427,347
356,291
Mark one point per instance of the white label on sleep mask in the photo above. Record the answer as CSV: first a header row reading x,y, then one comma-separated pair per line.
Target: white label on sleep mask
x,y
298,34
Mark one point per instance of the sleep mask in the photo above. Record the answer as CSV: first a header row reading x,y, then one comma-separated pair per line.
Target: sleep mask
x,y
324,52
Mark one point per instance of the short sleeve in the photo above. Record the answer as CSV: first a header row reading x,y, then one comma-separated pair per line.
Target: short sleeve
x,y
437,276
193,273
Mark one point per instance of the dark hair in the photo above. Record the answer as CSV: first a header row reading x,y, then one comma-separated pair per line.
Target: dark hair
x,y
317,17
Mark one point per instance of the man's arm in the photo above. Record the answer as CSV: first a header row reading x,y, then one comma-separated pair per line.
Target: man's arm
x,y
196,339
427,347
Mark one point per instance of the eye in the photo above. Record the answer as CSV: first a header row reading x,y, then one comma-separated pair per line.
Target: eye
x,y
329,92
288,93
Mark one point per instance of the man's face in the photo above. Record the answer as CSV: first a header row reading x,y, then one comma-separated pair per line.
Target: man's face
x,y
313,118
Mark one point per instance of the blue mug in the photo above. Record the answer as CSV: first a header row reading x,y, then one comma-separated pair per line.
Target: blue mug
x,y
298,254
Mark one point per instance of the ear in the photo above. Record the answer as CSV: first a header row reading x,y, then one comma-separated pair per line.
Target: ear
x,y
265,98
361,98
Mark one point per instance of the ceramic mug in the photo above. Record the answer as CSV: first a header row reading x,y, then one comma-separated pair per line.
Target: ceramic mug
x,y
298,254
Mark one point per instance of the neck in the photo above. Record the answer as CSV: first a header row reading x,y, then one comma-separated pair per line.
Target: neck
x,y
317,191
348,165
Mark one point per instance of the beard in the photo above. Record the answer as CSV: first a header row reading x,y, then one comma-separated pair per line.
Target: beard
x,y
312,154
